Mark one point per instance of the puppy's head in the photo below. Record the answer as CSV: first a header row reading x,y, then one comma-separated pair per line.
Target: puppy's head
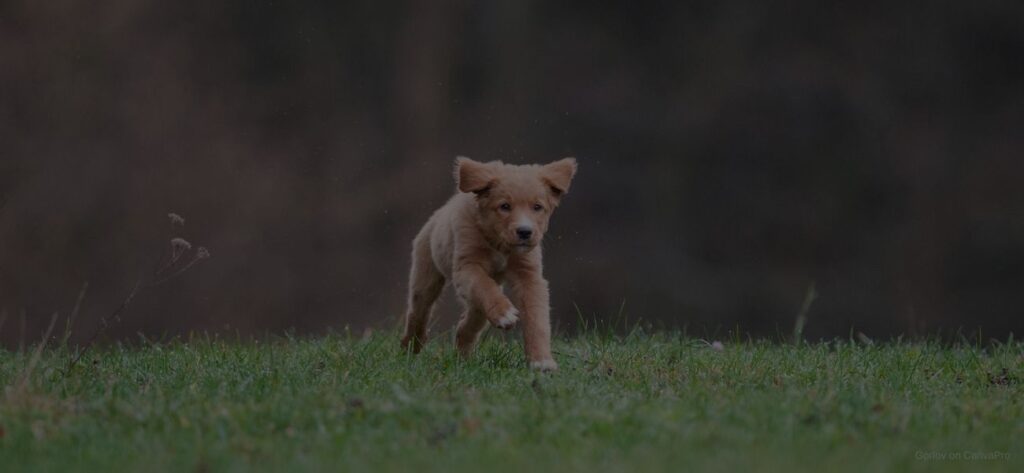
x,y
515,201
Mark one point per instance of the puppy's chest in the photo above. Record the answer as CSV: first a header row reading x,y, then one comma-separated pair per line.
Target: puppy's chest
x,y
499,264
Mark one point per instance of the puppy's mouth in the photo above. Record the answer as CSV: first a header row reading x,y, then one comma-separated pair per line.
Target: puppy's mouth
x,y
523,247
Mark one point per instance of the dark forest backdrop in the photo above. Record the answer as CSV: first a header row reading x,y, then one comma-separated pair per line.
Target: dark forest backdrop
x,y
731,153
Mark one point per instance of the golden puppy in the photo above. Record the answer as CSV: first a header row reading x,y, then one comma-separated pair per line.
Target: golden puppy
x,y
487,235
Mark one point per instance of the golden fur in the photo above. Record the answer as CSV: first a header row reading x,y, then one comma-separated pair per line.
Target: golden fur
x,y
488,235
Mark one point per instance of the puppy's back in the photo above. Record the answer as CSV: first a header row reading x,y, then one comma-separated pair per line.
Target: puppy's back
x,y
439,233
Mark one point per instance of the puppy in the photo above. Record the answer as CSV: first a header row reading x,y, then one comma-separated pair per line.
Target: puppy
x,y
488,235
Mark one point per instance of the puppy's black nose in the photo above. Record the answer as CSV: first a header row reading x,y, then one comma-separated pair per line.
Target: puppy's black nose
x,y
524,233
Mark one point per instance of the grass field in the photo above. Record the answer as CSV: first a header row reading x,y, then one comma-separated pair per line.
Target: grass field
x,y
639,402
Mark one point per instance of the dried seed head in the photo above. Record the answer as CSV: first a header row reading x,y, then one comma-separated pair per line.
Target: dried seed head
x,y
180,245
176,219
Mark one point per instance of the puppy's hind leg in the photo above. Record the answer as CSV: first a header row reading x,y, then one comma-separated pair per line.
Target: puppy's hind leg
x,y
425,285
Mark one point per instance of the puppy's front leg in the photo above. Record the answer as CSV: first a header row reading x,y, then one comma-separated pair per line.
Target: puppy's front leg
x,y
476,287
530,292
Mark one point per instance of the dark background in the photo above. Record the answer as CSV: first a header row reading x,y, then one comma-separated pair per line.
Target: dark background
x,y
731,153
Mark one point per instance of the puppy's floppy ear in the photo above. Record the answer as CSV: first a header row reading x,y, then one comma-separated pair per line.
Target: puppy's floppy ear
x,y
558,175
472,176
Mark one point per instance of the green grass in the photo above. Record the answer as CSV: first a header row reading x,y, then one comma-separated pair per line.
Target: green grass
x,y
642,402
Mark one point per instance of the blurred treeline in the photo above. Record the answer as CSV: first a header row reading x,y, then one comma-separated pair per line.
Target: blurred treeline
x,y
732,152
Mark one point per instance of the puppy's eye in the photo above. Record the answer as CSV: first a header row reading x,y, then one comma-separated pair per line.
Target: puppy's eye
x,y
537,207
506,207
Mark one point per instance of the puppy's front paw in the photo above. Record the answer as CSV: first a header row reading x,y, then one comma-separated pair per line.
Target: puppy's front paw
x,y
508,319
544,366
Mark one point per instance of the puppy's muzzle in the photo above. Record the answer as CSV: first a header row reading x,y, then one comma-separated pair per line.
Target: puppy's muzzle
x,y
524,233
